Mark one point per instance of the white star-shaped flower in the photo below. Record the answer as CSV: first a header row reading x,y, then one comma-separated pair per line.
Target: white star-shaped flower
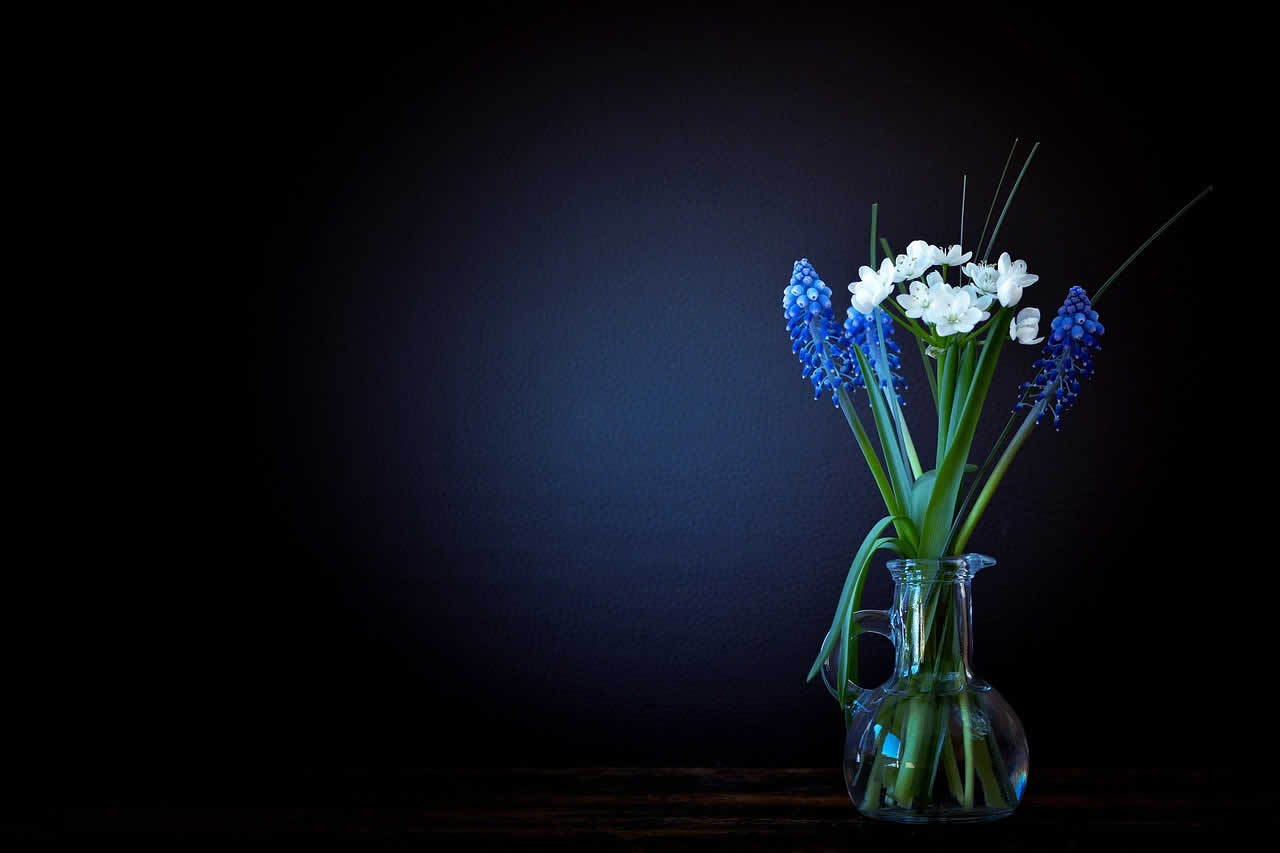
x,y
917,301
1013,276
982,301
985,277
953,311
951,257
919,257
873,287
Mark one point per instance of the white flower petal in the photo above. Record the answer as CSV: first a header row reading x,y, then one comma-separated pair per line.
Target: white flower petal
x,y
886,271
1009,293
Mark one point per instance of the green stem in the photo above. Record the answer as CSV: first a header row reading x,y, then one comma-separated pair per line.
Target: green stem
x,y
871,800
1008,201
940,730
899,733
964,191
939,514
949,763
946,391
995,196
967,739
899,316
928,371
912,456
986,465
1007,793
992,790
964,381
961,538
875,208
1101,290
868,452
886,377
888,253
915,739
899,469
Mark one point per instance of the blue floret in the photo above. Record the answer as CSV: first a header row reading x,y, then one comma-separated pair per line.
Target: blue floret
x,y
860,330
815,334
1067,357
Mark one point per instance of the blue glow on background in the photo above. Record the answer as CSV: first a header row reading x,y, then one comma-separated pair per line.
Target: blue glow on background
x,y
533,455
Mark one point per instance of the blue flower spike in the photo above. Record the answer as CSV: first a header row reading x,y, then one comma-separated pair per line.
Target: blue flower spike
x,y
815,334
1068,357
860,330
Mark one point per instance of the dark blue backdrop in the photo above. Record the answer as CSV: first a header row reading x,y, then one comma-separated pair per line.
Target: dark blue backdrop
x,y
535,477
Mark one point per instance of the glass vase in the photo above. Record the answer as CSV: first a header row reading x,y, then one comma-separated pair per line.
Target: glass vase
x,y
935,743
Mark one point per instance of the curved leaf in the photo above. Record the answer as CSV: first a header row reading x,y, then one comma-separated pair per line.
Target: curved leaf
x,y
856,569
850,638
936,529
898,471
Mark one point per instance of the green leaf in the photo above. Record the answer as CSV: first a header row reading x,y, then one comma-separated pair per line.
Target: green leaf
x,y
888,253
853,580
948,359
850,638
875,207
964,379
920,494
921,491
868,452
898,470
909,534
936,529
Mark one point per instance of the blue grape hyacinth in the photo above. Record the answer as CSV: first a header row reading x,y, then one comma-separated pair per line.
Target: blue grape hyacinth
x,y
1068,357
815,334
860,330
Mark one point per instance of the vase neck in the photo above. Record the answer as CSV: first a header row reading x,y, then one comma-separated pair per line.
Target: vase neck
x,y
932,622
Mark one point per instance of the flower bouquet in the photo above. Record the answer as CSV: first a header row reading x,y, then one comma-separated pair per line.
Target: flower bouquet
x,y
935,742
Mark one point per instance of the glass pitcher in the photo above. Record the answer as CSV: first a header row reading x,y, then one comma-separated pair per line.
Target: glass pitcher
x,y
935,743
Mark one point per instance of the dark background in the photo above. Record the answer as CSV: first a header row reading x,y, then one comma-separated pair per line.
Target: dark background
x,y
518,468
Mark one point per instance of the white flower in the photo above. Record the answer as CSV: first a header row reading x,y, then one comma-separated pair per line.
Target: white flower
x,y
1023,329
919,257
953,311
984,276
982,301
873,288
951,257
1013,277
920,297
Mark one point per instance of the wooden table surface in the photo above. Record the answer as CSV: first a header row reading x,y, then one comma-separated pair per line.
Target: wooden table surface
x,y
648,808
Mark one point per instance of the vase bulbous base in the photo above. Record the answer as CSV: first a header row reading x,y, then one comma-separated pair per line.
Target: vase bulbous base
x,y
935,757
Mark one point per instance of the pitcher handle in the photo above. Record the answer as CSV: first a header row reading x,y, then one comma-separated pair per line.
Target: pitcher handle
x,y
866,622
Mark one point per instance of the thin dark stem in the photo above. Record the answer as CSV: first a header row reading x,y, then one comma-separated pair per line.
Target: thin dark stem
x,y
1098,294
996,195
